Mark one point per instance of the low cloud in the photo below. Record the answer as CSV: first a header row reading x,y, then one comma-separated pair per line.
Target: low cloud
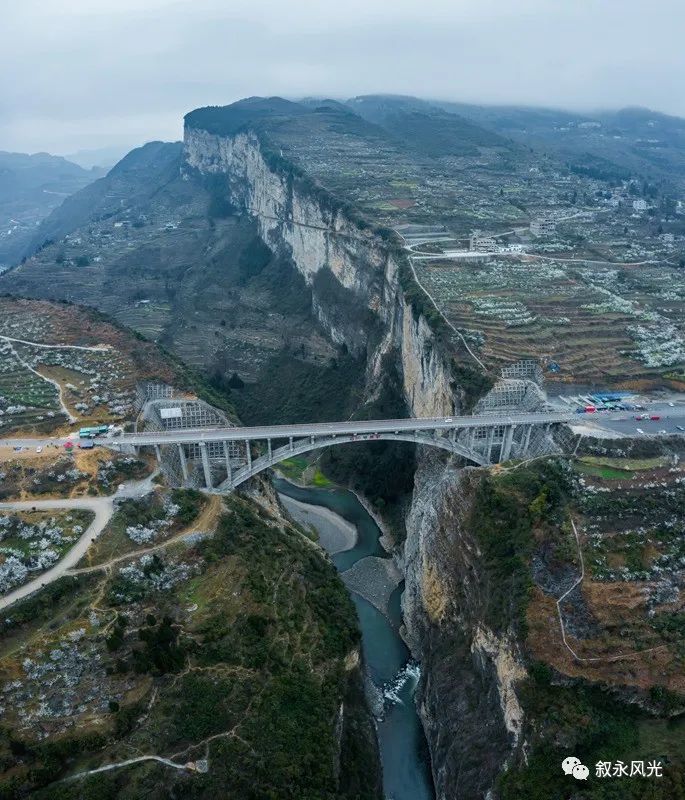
x,y
81,74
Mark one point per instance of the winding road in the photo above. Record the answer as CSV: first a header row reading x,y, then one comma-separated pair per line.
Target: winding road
x,y
102,507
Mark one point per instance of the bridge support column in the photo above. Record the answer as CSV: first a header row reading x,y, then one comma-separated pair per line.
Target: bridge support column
x,y
248,452
290,442
268,445
507,442
526,439
205,465
471,439
158,454
488,446
184,463
229,468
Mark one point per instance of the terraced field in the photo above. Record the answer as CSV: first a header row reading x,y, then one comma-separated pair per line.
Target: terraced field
x,y
25,398
48,350
611,325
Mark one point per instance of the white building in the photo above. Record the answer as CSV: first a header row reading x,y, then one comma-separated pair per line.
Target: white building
x,y
640,205
543,226
482,244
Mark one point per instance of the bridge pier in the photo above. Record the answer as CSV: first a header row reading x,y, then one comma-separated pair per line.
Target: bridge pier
x,y
488,446
158,454
507,442
290,442
205,465
184,463
471,439
227,457
268,445
526,439
248,453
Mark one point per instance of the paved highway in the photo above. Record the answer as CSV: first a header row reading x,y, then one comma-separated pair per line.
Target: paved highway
x,y
626,424
311,429
620,422
338,428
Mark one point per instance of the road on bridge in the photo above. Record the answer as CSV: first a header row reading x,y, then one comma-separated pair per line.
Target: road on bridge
x,y
670,418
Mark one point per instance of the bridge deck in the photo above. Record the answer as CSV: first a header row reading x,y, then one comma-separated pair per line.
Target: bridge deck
x,y
334,428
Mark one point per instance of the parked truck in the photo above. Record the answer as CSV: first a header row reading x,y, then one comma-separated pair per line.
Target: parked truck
x,y
91,433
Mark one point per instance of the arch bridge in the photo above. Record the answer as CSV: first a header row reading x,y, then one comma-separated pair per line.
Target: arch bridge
x,y
228,456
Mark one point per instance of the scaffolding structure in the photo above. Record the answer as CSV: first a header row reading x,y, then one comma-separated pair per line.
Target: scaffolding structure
x,y
520,388
511,393
527,369
187,464
152,390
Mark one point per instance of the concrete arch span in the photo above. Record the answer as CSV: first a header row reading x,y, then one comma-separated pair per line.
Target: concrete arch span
x,y
300,446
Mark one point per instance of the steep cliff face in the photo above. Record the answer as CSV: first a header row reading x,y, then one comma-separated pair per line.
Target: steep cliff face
x,y
468,702
467,697
354,277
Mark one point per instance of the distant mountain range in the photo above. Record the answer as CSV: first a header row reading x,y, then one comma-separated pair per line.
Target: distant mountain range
x,y
31,186
129,184
43,197
101,157
632,140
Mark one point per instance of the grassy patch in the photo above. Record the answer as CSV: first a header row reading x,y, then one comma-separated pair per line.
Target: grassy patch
x,y
629,464
602,471
299,470
320,480
293,468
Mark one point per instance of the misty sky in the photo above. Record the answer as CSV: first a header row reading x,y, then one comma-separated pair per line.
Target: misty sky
x,y
80,74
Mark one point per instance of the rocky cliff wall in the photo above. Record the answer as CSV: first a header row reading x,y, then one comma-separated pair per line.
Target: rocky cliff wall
x,y
319,237
468,701
467,696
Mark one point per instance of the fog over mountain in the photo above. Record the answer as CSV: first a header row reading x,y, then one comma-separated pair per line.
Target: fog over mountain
x,y
117,72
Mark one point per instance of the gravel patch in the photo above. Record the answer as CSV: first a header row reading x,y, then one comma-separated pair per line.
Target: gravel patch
x,y
375,579
335,533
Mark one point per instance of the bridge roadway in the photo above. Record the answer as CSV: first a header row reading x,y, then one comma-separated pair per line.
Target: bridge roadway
x,y
196,435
